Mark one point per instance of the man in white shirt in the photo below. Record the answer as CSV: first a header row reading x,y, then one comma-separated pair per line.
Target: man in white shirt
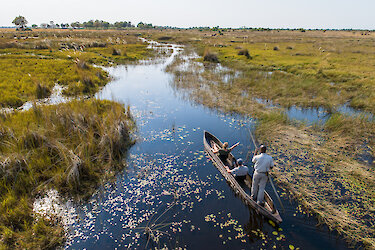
x,y
239,172
263,164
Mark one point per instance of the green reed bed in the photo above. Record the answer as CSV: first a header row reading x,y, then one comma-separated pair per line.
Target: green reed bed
x,y
69,147
326,69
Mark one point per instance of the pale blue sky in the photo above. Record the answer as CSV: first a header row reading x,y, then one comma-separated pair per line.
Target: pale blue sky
x,y
357,14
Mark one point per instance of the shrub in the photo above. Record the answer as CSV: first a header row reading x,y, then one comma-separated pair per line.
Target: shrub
x,y
97,45
116,52
163,38
289,47
42,91
276,48
70,147
244,52
208,56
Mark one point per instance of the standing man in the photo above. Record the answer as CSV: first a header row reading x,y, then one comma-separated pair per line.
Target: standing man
x,y
263,164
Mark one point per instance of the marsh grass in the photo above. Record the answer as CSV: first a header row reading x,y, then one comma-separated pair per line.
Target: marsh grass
x,y
244,52
318,165
32,63
42,91
70,147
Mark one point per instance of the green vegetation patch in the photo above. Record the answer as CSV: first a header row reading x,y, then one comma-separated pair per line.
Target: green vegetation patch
x,y
119,53
31,63
69,147
22,77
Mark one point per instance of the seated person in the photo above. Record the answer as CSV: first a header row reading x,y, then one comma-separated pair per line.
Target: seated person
x,y
239,172
224,151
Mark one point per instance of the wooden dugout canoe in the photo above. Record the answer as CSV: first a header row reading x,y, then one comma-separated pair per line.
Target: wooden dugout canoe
x,y
269,210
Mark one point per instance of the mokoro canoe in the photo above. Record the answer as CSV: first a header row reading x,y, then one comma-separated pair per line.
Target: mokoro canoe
x,y
269,210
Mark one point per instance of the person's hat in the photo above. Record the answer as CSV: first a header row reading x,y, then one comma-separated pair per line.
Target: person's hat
x,y
240,161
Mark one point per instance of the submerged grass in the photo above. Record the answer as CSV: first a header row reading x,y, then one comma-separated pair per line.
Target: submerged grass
x,y
320,165
69,147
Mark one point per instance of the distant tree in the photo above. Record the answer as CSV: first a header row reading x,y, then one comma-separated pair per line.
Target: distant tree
x,y
124,24
97,23
76,25
117,24
34,26
20,22
142,25
88,24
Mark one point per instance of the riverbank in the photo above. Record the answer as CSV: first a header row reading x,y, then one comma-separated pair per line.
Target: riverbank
x,y
327,167
32,62
70,147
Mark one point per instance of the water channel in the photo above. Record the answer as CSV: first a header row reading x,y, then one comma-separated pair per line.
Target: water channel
x,y
171,195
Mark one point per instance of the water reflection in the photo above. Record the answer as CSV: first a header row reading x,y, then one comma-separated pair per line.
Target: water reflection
x,y
308,115
315,115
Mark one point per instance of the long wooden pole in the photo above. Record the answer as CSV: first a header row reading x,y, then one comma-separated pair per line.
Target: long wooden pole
x,y
269,176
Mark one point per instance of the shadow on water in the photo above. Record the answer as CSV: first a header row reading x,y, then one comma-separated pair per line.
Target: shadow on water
x,y
171,195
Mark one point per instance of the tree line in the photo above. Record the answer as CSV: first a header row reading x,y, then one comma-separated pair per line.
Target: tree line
x,y
21,22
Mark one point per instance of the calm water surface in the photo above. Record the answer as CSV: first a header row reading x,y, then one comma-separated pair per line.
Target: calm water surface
x,y
171,195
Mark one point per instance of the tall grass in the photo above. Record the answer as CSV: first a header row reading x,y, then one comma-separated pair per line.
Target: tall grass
x,y
69,147
325,59
209,56
32,63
